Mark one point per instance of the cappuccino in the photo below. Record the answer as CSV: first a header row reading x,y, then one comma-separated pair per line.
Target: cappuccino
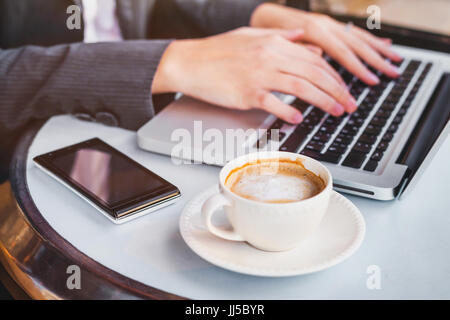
x,y
274,181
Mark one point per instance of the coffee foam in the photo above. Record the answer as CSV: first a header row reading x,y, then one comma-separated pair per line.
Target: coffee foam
x,y
274,181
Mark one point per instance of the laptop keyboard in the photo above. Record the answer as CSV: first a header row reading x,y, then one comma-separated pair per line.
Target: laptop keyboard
x,y
356,140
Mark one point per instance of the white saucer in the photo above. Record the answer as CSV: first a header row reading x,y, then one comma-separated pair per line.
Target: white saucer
x,y
339,235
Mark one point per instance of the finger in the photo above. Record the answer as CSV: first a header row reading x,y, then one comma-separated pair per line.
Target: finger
x,y
294,51
306,91
289,34
270,103
314,49
382,45
367,53
340,52
321,79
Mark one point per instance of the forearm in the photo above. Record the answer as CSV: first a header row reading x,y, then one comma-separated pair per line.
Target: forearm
x,y
38,82
273,15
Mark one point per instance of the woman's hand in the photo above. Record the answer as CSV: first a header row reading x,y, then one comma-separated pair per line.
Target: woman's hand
x,y
346,45
240,69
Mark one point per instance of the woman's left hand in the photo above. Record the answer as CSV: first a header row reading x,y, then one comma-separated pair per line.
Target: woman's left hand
x,y
346,45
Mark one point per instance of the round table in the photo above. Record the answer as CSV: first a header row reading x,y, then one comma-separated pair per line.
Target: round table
x,y
45,229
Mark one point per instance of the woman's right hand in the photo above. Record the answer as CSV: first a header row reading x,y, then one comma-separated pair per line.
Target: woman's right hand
x,y
240,69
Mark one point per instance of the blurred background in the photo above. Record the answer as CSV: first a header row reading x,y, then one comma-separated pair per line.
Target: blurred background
x,y
426,15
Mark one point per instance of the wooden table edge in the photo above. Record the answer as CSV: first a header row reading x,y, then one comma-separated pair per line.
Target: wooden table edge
x,y
37,257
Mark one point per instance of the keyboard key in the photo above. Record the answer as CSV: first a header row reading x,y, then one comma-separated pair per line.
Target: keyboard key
x,y
383,145
343,139
377,121
354,159
334,64
327,128
397,119
347,77
372,130
333,121
350,130
294,141
387,106
355,122
340,149
277,124
387,137
300,105
322,136
356,91
276,136
311,120
316,113
273,134
315,145
362,147
311,153
369,139
360,114
401,112
383,113
330,157
391,99
384,79
393,128
327,156
371,165
408,101
377,155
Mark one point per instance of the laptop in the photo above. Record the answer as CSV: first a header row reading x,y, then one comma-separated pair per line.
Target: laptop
x,y
377,152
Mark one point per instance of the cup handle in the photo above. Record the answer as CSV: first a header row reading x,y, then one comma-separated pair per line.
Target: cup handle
x,y
209,208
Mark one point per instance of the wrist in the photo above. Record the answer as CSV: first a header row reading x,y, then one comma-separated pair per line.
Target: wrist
x,y
169,72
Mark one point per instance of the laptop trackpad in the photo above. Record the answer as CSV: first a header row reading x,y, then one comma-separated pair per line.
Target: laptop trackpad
x,y
183,112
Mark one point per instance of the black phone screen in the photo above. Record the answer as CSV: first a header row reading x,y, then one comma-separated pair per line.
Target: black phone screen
x,y
105,174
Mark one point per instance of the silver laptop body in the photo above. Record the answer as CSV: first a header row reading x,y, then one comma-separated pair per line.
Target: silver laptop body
x,y
186,129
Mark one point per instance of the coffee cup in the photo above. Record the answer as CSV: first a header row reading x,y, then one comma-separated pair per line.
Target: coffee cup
x,y
265,217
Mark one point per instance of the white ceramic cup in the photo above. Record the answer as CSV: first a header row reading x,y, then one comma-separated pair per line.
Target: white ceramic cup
x,y
268,226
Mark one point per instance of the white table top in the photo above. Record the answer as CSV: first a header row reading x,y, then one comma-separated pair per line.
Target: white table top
x,y
408,240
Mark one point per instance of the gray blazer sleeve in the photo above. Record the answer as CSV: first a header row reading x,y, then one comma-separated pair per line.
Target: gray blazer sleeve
x,y
38,82
216,16
188,18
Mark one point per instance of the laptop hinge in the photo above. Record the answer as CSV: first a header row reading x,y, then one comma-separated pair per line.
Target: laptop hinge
x,y
427,133
402,186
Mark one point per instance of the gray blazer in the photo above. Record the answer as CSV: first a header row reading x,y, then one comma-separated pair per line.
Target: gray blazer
x,y
42,75
46,69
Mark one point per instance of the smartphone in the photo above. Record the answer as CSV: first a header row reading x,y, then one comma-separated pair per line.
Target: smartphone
x,y
116,185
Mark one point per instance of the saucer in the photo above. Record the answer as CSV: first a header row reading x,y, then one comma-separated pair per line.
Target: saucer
x,y
339,235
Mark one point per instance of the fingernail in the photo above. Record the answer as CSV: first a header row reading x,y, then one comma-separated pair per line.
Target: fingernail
x,y
352,104
297,118
397,56
338,110
373,78
394,69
